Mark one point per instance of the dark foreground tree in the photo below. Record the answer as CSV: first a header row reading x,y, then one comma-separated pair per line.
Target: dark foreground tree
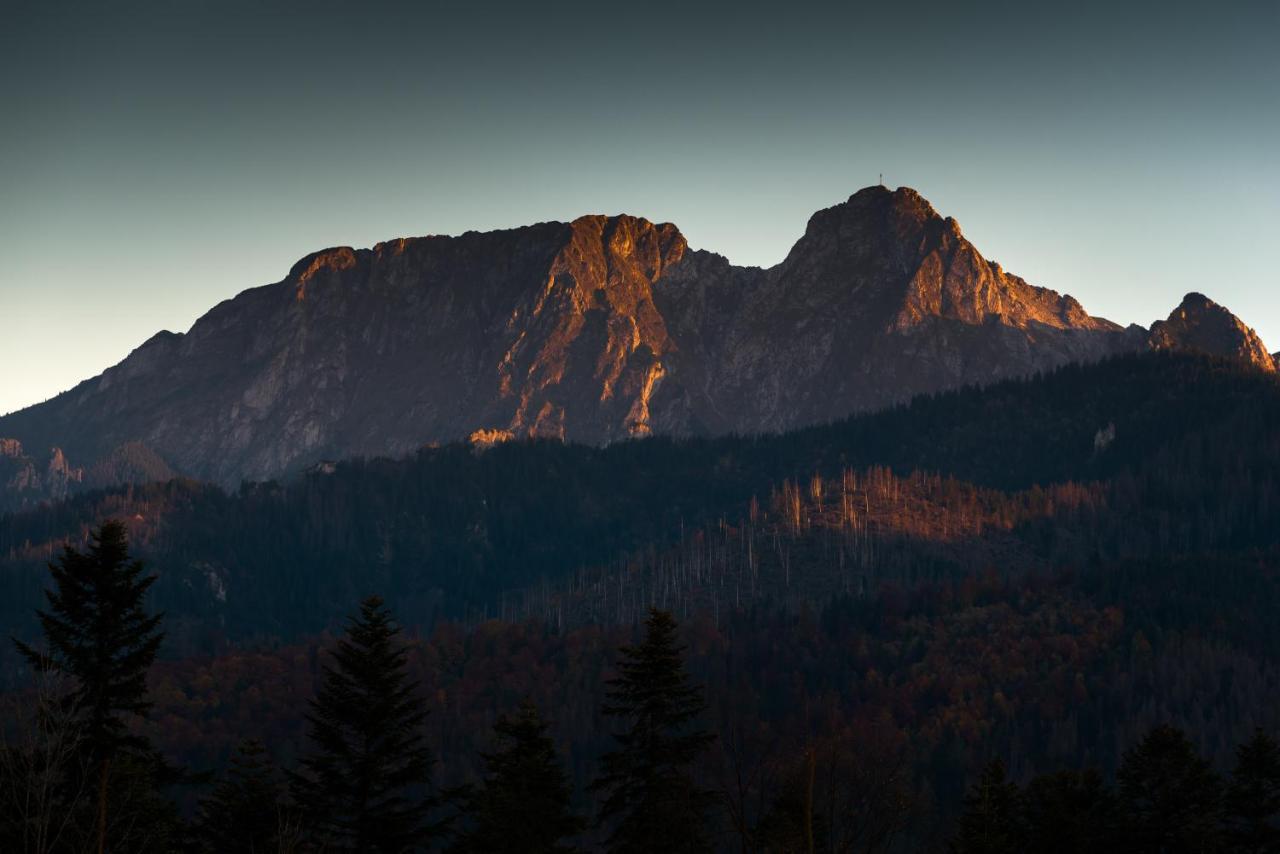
x,y
652,800
1169,796
365,785
246,810
1069,812
1252,803
100,637
793,822
989,822
523,804
42,775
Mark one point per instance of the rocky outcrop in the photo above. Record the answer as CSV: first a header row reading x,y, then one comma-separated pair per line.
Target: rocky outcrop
x,y
1199,324
26,480
596,330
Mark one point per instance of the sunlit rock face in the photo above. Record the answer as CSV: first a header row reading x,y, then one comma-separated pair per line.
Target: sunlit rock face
x,y
594,331
547,330
27,479
1200,324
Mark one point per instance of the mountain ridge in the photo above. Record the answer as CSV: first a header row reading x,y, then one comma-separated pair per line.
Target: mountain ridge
x,y
595,330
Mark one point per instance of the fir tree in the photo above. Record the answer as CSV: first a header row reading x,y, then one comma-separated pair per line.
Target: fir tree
x,y
652,798
523,805
100,636
245,811
1252,803
989,822
364,786
1169,796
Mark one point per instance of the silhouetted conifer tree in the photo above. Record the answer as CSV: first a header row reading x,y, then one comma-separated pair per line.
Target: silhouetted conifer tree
x,y
1252,803
523,804
1069,812
989,822
1169,796
652,799
245,812
99,634
364,786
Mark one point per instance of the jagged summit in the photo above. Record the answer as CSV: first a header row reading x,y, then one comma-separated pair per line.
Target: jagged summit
x,y
1200,324
595,330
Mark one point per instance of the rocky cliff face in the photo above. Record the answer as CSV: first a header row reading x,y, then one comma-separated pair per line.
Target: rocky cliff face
x,y
595,330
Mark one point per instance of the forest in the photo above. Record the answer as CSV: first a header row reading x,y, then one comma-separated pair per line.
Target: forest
x,y
993,619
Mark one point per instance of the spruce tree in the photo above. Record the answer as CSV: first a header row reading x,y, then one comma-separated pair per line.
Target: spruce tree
x,y
1169,796
651,798
1252,803
364,786
523,804
245,812
100,636
989,822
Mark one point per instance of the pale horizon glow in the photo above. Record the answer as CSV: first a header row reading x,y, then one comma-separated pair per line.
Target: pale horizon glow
x,y
160,158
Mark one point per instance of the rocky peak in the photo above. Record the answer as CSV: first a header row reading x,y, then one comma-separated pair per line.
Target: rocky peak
x,y
1201,325
593,330
907,263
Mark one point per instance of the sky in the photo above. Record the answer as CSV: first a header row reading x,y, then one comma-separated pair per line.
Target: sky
x,y
156,158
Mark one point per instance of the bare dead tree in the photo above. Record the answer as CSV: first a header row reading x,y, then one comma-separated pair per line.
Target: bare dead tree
x,y
746,765
43,775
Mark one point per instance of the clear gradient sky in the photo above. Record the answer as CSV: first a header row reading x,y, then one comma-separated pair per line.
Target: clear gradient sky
x,y
156,158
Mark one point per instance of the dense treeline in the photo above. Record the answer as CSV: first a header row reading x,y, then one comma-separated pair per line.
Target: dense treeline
x,y
933,678
1178,454
1166,799
82,773
1039,572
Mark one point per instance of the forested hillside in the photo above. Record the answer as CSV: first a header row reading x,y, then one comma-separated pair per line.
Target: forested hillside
x,y
1038,571
1138,456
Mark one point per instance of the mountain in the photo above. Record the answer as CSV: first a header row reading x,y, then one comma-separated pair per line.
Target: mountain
x,y
600,329
1201,325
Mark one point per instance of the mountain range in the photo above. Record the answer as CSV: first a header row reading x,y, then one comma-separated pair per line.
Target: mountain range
x,y
593,331
1068,534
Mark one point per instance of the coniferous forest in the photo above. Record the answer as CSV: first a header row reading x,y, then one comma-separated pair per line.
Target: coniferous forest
x,y
1035,616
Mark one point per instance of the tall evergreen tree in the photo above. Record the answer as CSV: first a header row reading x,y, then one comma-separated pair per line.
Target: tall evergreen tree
x,y
1252,803
365,785
99,634
989,822
1169,796
652,799
245,812
523,805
